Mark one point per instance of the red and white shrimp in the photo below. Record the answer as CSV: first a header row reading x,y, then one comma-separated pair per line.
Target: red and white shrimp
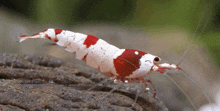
x,y
123,65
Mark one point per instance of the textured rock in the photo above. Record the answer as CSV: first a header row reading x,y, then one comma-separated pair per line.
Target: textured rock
x,y
37,82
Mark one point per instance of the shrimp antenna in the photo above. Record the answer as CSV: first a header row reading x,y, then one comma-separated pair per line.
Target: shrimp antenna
x,y
182,91
205,94
185,74
193,38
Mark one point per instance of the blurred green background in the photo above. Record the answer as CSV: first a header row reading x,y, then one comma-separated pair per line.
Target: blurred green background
x,y
139,13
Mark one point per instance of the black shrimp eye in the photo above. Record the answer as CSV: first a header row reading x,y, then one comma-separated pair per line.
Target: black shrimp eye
x,y
156,59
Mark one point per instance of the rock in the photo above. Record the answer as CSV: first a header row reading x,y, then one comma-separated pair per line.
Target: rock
x,y
39,83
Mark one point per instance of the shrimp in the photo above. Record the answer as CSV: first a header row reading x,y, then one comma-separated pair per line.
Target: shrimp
x,y
122,64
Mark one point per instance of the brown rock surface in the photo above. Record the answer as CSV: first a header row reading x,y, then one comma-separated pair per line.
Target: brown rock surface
x,y
37,82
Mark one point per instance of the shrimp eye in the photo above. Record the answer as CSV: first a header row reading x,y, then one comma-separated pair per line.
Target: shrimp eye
x,y
156,59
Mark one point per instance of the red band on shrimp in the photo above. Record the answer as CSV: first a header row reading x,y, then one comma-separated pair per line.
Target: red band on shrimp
x,y
38,33
35,34
58,31
54,39
84,58
128,62
24,36
90,40
46,36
